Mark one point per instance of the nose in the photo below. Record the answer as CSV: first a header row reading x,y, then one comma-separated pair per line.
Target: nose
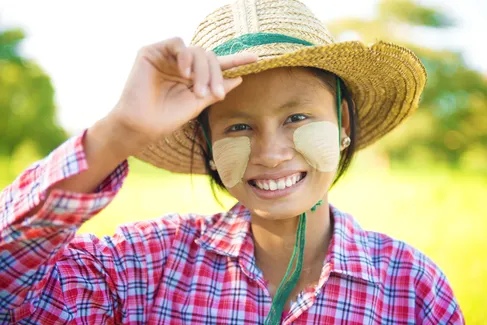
x,y
271,148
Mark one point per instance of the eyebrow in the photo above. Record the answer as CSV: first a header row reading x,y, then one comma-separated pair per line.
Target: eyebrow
x,y
292,103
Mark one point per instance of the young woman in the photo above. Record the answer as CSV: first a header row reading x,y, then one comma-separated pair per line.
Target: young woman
x,y
273,110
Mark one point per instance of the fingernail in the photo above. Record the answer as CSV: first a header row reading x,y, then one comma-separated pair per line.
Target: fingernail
x,y
219,91
188,72
204,91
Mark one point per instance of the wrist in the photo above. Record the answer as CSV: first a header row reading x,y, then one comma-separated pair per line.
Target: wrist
x,y
116,140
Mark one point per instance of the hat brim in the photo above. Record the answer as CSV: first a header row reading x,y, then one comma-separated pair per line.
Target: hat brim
x,y
386,82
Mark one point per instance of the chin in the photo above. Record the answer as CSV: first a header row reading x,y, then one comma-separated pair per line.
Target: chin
x,y
277,212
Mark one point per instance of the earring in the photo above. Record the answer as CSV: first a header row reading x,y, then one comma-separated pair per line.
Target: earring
x,y
212,165
346,142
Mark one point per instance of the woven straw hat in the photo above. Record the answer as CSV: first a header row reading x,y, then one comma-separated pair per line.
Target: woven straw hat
x,y
385,80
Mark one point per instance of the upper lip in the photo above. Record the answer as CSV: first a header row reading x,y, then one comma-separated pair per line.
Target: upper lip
x,y
276,175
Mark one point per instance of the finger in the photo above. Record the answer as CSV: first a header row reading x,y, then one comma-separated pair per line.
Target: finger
x,y
216,77
235,60
172,46
171,50
185,61
201,71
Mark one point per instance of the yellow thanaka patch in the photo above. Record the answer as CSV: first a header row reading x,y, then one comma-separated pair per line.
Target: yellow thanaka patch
x,y
231,157
318,143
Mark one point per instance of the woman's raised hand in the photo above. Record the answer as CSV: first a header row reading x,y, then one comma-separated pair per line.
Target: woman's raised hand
x,y
170,84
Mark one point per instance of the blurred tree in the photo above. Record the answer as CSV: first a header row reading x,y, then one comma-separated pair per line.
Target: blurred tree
x,y
451,122
27,109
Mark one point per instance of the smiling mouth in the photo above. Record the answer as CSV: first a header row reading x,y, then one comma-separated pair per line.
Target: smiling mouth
x,y
277,184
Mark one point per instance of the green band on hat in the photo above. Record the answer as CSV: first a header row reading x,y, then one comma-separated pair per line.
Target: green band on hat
x,y
250,40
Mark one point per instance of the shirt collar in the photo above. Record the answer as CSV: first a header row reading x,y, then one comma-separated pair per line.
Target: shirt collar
x,y
229,234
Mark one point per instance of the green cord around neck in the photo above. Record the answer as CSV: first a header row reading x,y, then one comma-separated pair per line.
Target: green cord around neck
x,y
289,281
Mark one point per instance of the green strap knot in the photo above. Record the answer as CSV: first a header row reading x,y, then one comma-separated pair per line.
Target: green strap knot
x,y
313,209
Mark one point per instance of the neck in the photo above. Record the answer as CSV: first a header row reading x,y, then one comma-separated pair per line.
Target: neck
x,y
274,240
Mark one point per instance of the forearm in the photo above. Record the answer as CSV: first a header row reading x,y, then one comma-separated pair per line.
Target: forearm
x,y
104,152
32,241
105,147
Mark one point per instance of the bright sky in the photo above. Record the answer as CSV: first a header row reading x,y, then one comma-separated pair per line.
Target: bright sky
x,y
88,47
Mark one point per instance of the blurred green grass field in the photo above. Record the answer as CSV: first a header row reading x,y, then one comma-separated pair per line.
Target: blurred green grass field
x,y
439,211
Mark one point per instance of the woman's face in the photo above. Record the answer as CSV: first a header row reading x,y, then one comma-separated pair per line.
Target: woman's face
x,y
255,148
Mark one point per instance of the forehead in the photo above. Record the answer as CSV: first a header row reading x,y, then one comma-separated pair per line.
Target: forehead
x,y
274,90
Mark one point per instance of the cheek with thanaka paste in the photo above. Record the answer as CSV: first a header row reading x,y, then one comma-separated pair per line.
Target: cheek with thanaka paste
x,y
231,157
318,143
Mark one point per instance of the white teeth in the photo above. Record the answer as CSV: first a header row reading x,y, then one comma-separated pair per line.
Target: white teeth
x,y
272,185
281,184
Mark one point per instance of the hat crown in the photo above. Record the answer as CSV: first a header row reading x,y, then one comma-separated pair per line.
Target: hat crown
x,y
286,17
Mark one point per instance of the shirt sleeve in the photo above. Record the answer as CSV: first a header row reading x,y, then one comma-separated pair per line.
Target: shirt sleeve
x,y
31,245
436,303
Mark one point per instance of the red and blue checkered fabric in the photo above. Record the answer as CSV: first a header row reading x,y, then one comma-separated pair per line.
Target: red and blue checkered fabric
x,y
189,269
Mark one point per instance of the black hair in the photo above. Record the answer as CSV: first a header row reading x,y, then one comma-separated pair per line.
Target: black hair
x,y
346,156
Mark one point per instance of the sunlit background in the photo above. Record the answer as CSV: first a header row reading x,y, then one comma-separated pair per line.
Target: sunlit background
x,y
63,65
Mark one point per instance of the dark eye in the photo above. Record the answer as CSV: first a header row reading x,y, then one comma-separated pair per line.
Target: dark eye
x,y
238,127
296,118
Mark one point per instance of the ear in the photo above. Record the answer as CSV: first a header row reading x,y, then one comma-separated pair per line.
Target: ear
x,y
345,120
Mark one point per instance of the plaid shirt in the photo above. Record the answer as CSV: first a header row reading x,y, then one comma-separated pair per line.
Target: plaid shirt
x,y
189,269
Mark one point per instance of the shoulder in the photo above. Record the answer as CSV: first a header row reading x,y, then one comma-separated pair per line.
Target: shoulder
x,y
389,256
161,233
404,268
406,275
393,257
387,252
171,225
